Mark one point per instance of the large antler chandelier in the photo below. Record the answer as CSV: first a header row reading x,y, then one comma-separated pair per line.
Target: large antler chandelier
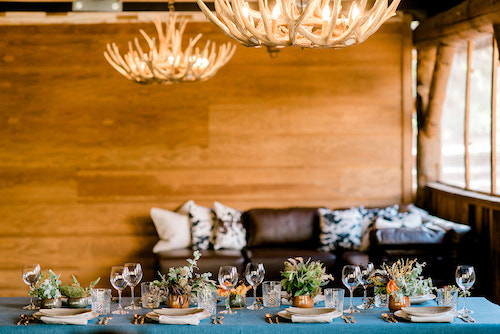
x,y
302,23
165,62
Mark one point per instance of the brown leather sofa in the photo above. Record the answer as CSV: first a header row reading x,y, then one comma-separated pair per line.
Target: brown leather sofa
x,y
274,235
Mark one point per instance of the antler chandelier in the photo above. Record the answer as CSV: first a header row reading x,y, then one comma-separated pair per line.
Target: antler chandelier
x,y
165,62
315,24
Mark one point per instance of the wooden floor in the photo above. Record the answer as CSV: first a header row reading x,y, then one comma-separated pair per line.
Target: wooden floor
x,y
85,154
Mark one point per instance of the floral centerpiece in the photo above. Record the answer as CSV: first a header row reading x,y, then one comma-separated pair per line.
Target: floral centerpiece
x,y
303,280
47,289
182,282
237,295
400,281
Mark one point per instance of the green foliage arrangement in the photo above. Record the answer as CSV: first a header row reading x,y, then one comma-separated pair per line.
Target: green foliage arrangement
x,y
75,290
304,278
47,286
402,278
184,280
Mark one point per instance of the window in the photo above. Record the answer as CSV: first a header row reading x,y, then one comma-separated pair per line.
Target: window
x,y
468,119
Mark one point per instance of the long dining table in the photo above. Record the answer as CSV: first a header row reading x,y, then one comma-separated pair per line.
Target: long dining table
x,y
486,314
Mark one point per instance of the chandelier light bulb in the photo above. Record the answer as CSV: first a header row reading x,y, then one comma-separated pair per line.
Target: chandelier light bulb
x,y
166,62
306,24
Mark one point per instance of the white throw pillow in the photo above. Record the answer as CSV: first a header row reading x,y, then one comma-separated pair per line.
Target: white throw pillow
x,y
172,227
408,220
202,223
340,229
229,230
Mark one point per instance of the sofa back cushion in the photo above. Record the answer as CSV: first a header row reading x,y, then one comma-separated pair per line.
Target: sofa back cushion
x,y
290,227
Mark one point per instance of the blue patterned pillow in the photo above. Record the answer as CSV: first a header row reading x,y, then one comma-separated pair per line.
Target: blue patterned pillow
x,y
340,229
202,223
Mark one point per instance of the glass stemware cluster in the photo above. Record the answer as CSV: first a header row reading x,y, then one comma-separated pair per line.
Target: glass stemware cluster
x,y
228,277
465,276
31,274
122,276
353,275
254,273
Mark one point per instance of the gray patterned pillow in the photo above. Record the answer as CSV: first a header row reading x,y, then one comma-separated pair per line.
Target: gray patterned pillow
x,y
202,223
229,230
340,229
369,219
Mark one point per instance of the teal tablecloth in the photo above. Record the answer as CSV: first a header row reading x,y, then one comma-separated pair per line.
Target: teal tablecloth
x,y
486,314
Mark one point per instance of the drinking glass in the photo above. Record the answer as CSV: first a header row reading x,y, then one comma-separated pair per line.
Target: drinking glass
x,y
228,277
465,277
254,273
117,279
351,277
366,269
133,275
31,274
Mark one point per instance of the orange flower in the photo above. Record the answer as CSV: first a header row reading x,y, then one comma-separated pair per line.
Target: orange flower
x,y
392,286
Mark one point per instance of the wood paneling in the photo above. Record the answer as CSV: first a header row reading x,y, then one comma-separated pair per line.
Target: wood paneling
x,y
85,154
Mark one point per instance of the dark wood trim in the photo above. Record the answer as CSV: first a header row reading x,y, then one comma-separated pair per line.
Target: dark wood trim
x,y
465,21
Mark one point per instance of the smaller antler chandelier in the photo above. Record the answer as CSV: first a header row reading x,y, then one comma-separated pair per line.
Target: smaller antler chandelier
x,y
166,62
302,23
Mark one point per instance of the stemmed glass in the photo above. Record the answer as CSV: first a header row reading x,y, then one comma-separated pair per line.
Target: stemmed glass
x,y
228,277
31,274
465,276
366,269
254,273
351,277
117,279
133,275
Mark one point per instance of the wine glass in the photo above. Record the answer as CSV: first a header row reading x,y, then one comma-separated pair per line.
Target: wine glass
x,y
351,277
117,279
133,275
254,273
228,277
31,274
366,269
465,276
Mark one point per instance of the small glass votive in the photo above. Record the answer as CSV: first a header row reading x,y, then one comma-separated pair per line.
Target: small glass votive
x,y
446,297
207,300
334,298
271,293
101,301
150,295
381,300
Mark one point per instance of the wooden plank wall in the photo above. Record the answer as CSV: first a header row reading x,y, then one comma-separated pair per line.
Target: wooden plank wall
x,y
482,213
85,154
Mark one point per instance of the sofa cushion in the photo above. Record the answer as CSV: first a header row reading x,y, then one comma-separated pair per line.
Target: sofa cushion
x,y
173,228
340,229
407,236
229,230
210,260
274,259
202,223
368,222
293,227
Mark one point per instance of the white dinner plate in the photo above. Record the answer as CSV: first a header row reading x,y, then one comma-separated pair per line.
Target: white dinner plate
x,y
309,311
431,311
285,315
400,314
202,314
421,299
64,312
177,311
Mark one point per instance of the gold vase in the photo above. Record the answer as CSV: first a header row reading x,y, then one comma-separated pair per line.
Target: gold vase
x,y
178,301
303,301
397,305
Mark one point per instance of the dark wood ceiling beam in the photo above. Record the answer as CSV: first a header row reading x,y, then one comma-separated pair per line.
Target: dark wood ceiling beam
x,y
463,22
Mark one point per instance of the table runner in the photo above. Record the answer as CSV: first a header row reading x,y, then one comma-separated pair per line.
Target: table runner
x,y
487,315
